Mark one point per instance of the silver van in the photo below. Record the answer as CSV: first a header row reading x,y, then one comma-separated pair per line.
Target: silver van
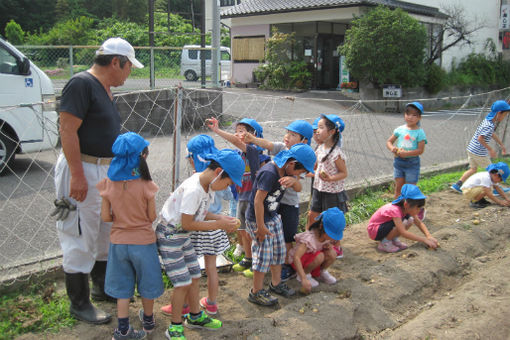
x,y
190,62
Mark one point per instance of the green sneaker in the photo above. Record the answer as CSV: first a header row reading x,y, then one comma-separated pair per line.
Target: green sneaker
x,y
204,321
175,332
242,265
248,273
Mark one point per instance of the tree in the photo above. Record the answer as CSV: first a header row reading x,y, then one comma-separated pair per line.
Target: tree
x,y
386,47
132,10
14,33
457,31
31,15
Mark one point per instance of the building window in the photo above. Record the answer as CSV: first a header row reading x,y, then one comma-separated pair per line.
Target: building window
x,y
248,49
225,3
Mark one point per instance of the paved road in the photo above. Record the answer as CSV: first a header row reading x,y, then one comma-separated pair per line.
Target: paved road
x,y
27,233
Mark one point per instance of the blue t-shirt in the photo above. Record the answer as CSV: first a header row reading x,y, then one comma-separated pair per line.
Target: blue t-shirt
x,y
266,180
408,139
485,129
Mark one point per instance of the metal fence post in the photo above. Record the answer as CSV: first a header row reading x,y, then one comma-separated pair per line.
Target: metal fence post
x,y
71,62
152,77
177,137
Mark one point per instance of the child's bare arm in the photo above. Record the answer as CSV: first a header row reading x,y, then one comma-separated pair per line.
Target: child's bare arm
x,y
300,251
503,202
189,224
258,203
389,144
486,145
213,124
106,210
151,209
428,239
341,174
291,182
263,143
496,138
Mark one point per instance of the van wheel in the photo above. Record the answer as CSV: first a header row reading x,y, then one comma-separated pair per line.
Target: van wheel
x,y
190,75
7,152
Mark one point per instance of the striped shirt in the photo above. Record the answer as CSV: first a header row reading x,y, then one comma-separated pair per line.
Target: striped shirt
x,y
485,129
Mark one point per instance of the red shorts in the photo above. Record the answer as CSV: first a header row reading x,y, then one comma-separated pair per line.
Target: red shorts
x,y
308,258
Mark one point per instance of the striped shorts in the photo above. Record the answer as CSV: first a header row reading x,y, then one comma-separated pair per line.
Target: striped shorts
x,y
272,250
178,255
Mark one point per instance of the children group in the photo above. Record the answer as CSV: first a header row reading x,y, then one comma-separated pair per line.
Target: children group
x,y
266,186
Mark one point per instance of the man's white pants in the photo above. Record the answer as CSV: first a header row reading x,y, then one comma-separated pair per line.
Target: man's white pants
x,y
83,236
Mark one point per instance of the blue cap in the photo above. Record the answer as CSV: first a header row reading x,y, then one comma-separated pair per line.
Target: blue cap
x,y
497,106
409,191
303,128
125,164
333,221
263,158
502,168
253,123
417,106
339,123
231,162
199,146
302,153
315,124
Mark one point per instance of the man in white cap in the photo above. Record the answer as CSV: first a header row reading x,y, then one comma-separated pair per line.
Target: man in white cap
x,y
89,124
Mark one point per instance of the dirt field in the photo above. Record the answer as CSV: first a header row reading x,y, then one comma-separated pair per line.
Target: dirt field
x,y
460,291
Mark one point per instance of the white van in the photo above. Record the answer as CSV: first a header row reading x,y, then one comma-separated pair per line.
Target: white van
x,y
190,62
28,120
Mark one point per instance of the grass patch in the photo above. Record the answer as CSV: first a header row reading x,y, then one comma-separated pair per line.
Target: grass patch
x,y
38,309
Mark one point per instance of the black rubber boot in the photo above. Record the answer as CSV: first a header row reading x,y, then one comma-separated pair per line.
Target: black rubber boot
x,y
77,286
97,275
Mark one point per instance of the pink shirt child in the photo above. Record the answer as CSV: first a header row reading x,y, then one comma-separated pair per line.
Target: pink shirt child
x,y
312,244
384,214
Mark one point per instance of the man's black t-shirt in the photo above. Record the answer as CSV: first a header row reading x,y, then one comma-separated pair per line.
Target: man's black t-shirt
x,y
86,98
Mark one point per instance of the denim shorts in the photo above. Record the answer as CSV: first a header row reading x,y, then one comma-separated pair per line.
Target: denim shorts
x,y
132,263
290,221
408,168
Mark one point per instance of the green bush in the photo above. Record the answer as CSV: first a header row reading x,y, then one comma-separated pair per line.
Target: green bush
x,y
13,33
436,78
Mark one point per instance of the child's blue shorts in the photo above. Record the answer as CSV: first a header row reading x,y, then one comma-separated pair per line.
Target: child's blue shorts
x,y
408,168
132,263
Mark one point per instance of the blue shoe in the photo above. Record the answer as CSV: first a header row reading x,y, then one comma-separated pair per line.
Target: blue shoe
x,y
455,187
287,273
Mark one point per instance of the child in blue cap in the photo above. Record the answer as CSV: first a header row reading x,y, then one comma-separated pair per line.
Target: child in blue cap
x,y
407,143
299,131
185,211
481,185
128,200
250,154
394,219
329,181
265,225
478,150
308,257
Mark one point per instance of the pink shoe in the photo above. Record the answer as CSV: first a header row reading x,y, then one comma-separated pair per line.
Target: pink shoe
x,y
401,245
167,310
339,252
387,247
326,277
211,309
313,282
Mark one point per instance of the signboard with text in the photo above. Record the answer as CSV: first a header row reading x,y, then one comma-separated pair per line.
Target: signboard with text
x,y
504,22
392,91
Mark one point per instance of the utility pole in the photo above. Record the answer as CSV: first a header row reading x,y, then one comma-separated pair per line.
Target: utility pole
x,y
151,41
216,53
202,44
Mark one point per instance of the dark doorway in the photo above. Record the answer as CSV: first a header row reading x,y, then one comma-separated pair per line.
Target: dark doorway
x,y
327,67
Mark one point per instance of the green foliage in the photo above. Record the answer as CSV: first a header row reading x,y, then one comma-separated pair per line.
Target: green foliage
x,y
37,310
31,15
13,33
70,9
132,10
77,31
386,46
436,78
279,70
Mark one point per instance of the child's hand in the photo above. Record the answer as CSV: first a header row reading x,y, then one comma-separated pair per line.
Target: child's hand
x,y
309,174
324,176
394,150
249,138
306,285
213,124
431,242
229,224
503,151
261,234
287,181
493,153
505,203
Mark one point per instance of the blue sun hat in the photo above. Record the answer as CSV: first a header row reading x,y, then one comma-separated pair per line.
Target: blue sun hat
x,y
497,106
263,158
409,191
303,128
302,153
315,124
199,146
253,123
125,164
417,106
339,123
333,221
502,168
231,162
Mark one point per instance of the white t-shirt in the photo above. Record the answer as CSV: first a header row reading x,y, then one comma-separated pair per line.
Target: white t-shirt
x,y
480,179
190,199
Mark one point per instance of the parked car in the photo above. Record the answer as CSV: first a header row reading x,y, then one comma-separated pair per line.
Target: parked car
x,y
28,120
190,62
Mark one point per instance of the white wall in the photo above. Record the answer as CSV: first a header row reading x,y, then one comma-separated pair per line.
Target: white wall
x,y
486,11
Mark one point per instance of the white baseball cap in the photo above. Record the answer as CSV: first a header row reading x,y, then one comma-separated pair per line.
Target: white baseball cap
x,y
119,46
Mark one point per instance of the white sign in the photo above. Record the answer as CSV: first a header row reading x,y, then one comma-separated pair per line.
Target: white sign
x,y
392,91
504,22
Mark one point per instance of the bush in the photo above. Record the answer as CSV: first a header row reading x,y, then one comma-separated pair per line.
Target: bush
x,y
436,78
13,33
